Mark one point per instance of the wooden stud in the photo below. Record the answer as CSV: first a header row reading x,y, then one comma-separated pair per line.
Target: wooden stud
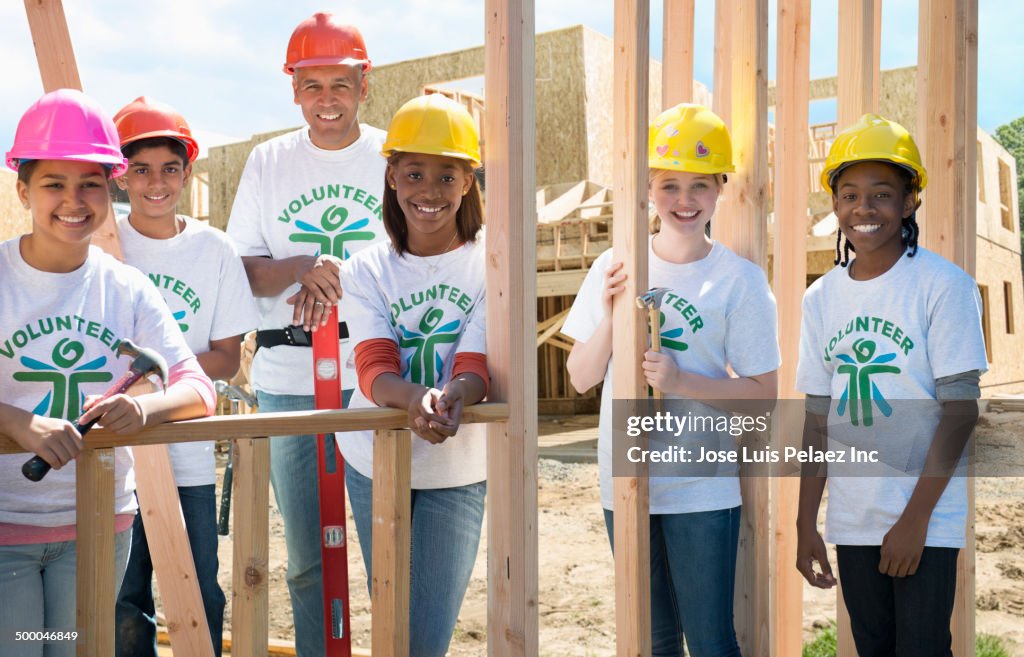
x,y
722,105
677,53
859,59
58,69
95,577
629,340
249,577
947,128
790,275
511,348
170,552
392,474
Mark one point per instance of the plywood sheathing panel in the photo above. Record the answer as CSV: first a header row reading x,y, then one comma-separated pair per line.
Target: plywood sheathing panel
x,y
14,219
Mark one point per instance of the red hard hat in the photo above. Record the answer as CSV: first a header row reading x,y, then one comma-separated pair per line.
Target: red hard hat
x,y
322,40
144,119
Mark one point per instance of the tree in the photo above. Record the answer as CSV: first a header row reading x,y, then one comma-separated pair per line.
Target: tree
x,y
1011,137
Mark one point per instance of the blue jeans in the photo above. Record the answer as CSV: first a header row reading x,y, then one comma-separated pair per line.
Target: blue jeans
x,y
445,534
37,591
899,616
136,615
693,575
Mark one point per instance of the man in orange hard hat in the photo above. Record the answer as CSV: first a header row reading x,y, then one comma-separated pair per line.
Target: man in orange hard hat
x,y
307,200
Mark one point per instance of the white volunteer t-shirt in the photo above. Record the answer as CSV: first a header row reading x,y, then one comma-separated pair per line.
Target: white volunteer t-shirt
x,y
58,339
433,308
892,336
297,199
722,310
200,276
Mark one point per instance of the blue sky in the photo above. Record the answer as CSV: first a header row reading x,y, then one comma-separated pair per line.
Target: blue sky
x,y
219,61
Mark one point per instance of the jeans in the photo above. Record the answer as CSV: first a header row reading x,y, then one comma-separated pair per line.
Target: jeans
x,y
136,615
37,591
899,616
445,530
693,575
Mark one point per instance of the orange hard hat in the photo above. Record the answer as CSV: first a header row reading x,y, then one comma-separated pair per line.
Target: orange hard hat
x,y
323,40
145,119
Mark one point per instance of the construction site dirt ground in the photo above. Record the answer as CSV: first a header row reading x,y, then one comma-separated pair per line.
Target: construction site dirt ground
x,y
576,590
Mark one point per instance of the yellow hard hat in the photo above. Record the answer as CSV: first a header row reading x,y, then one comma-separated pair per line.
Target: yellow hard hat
x,y
873,138
689,138
435,125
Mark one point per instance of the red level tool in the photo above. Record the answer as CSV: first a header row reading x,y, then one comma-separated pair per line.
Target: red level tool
x,y
333,541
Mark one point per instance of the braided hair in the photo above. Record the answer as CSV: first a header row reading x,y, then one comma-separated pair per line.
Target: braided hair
x,y
911,231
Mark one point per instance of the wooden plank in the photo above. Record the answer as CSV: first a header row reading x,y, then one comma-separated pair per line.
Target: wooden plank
x,y
722,105
57,67
563,206
170,552
947,128
95,576
629,340
559,283
392,474
677,53
278,424
509,73
790,275
859,57
249,575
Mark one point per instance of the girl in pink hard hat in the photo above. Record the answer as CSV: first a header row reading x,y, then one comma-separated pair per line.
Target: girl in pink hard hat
x,y
717,315
66,308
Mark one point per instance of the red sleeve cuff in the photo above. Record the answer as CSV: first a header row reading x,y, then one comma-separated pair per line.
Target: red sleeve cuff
x,y
373,358
472,363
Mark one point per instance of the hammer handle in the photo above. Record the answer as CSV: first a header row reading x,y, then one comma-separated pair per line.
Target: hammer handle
x,y
36,468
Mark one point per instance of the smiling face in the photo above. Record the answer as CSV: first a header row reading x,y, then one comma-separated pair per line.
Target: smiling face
x,y
685,202
871,200
68,201
154,181
429,189
329,97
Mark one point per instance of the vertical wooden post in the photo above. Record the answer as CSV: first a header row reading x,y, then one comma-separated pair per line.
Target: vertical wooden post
x,y
95,577
946,126
792,95
171,553
859,59
629,340
677,53
392,474
58,69
722,92
249,577
511,327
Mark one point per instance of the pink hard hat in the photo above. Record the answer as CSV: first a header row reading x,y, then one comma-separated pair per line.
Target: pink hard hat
x,y
67,125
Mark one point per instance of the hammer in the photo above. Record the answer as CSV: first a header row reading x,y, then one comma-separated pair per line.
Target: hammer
x,y
145,362
651,300
237,397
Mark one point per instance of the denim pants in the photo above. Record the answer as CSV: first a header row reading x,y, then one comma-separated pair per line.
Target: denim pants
x,y
136,615
899,616
293,475
37,590
445,531
693,575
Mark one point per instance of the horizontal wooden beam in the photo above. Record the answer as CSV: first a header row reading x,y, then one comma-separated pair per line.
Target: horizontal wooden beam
x,y
270,424
560,283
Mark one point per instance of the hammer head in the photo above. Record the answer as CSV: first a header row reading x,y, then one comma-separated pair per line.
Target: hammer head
x,y
144,361
651,298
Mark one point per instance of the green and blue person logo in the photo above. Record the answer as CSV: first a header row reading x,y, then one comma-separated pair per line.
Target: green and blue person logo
x,y
669,338
328,241
66,376
425,365
179,317
861,392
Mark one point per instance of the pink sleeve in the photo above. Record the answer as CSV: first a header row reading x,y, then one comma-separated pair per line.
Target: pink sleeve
x,y
188,372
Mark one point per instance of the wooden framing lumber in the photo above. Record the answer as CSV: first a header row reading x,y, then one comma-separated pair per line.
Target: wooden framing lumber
x,y
790,274
722,105
392,474
858,82
511,319
629,340
170,552
677,53
947,129
250,576
96,580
